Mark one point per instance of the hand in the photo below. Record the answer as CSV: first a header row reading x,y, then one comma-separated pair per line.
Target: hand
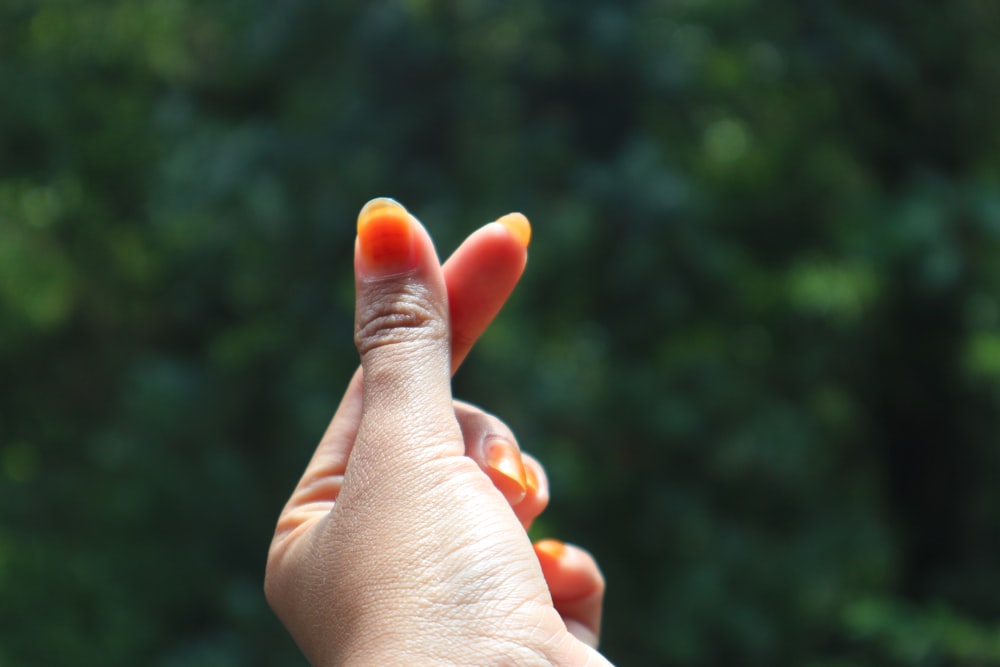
x,y
395,547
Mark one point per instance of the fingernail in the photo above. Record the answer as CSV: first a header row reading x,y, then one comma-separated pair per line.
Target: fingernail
x,y
506,470
386,238
554,549
530,479
518,226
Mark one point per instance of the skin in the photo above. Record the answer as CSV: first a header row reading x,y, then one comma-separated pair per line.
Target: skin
x,y
402,545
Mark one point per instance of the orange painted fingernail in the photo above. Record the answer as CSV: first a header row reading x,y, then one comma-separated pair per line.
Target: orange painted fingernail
x,y
386,238
554,549
506,470
519,226
530,479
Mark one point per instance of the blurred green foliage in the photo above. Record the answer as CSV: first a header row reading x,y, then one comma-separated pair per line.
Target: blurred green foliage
x,y
757,347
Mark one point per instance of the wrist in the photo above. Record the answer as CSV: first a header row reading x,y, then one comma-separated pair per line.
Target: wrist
x,y
439,643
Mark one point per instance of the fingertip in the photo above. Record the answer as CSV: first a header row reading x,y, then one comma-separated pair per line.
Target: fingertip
x,y
377,204
536,499
571,572
518,226
506,470
550,550
530,479
386,239
576,585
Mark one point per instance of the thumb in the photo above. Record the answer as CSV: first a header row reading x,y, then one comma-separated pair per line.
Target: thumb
x,y
403,334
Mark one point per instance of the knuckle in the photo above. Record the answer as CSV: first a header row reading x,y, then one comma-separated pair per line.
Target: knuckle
x,y
402,319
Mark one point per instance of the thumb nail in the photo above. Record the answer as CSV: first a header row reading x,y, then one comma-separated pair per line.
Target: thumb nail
x,y
385,239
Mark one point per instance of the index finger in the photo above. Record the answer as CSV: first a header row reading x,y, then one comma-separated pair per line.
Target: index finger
x,y
480,275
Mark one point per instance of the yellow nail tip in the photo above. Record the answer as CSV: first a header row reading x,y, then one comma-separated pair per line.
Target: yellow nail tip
x,y
505,461
530,479
519,226
552,548
380,206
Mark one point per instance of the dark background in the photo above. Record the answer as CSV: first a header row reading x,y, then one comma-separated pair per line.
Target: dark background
x,y
757,347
